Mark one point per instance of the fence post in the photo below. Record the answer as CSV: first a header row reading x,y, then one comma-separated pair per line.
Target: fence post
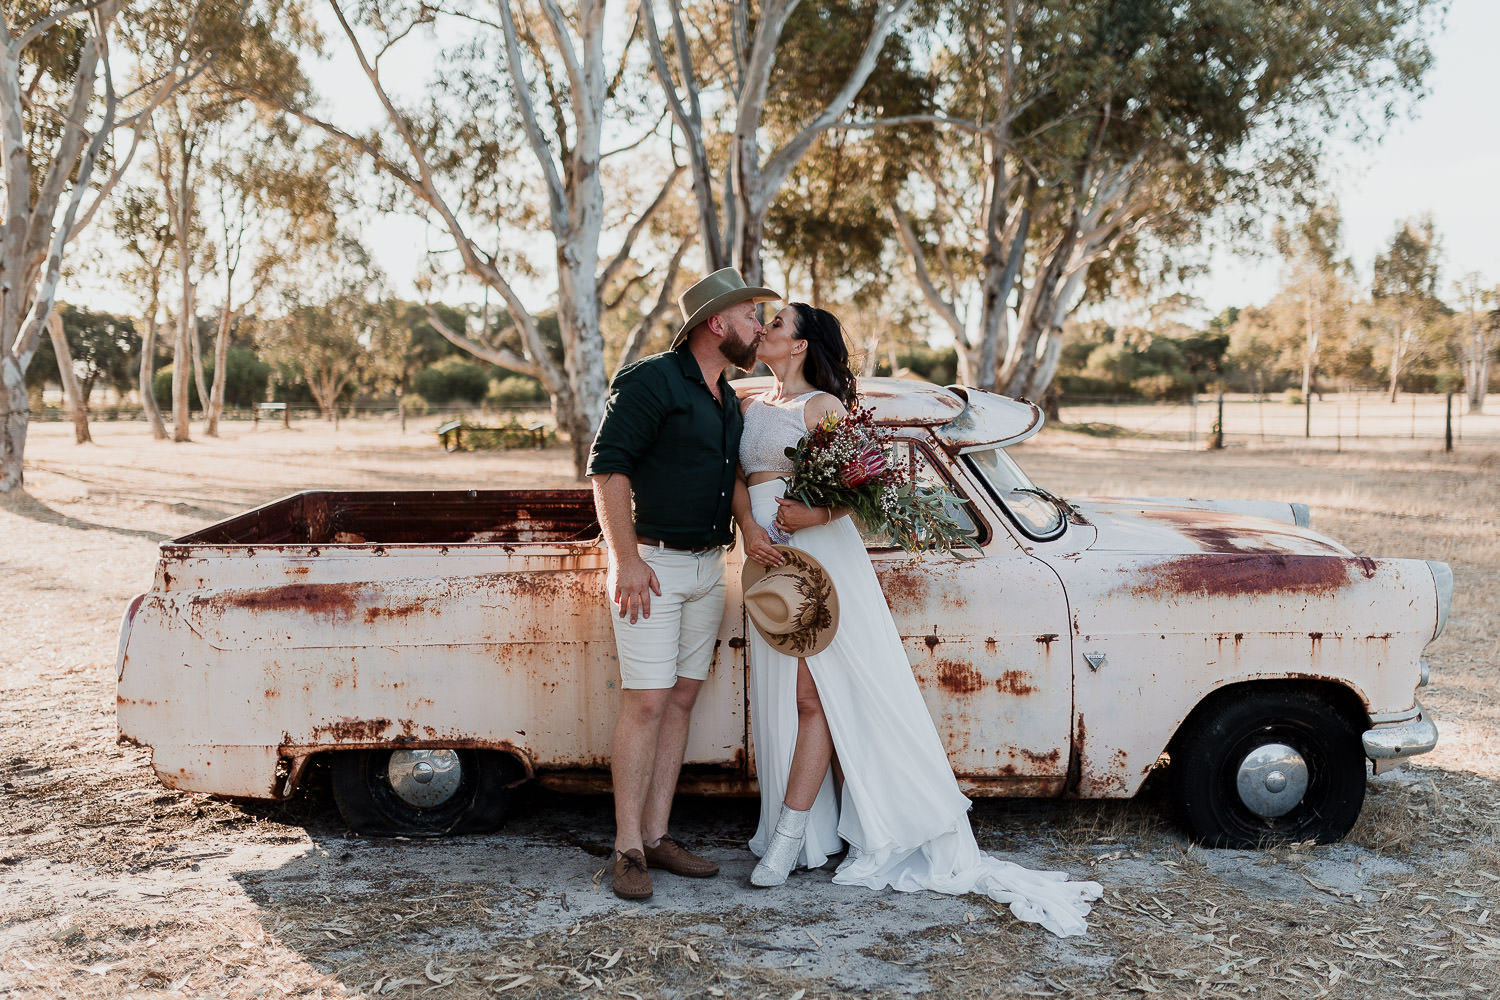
x,y
1307,414
1413,416
1448,426
1216,437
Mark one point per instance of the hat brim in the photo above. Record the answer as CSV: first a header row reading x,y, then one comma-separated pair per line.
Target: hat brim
x,y
719,303
791,643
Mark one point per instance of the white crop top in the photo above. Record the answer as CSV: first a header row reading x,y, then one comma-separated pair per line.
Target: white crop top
x,y
770,429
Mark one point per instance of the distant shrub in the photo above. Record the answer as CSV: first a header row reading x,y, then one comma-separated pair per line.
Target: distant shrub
x,y
1157,387
452,379
515,389
413,405
1292,397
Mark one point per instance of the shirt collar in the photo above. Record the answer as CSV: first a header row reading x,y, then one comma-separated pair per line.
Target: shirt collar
x,y
691,369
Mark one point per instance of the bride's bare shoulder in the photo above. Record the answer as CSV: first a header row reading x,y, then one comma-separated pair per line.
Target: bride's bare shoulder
x,y
820,406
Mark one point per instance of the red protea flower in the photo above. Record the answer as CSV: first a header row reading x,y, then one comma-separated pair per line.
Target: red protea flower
x,y
869,462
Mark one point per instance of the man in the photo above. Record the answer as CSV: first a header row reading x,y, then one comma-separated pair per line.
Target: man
x,y
669,441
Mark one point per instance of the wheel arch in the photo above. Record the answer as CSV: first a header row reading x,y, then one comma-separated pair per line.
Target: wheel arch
x,y
292,763
1347,701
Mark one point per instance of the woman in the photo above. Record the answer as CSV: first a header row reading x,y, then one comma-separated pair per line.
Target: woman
x,y
899,806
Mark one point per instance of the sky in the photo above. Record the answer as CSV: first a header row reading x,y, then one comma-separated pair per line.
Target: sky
x,y
1444,160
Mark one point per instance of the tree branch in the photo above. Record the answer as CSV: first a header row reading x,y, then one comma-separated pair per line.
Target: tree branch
x,y
613,267
495,355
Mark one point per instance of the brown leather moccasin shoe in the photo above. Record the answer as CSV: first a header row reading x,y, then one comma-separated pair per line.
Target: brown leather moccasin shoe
x,y
632,880
670,856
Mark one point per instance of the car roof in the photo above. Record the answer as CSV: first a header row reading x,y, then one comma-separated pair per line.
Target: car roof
x,y
963,418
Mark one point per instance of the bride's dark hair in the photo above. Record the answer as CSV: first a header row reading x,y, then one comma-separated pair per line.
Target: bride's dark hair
x,y
827,365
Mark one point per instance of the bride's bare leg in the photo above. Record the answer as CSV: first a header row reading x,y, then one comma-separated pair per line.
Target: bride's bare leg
x,y
810,759
814,748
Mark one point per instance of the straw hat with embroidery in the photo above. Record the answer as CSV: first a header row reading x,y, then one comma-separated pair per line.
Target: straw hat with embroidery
x,y
712,295
793,606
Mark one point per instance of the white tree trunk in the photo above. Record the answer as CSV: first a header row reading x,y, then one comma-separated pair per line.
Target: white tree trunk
x,y
78,407
144,382
15,418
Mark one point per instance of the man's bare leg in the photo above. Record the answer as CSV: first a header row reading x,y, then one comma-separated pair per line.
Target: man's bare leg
x,y
671,745
633,756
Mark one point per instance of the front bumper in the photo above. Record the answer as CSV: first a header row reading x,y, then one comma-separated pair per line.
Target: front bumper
x,y
1390,743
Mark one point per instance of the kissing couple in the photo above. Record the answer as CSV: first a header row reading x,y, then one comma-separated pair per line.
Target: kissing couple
x,y
847,757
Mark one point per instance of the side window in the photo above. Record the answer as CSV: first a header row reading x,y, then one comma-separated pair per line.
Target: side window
x,y
927,473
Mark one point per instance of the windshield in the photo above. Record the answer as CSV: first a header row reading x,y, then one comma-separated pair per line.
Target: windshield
x,y
1034,510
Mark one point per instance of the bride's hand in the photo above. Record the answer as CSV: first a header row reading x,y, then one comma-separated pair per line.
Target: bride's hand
x,y
758,546
794,515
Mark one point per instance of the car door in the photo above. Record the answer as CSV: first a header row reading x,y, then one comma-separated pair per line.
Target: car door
x,y
988,640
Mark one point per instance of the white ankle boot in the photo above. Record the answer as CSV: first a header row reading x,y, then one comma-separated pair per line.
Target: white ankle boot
x,y
781,853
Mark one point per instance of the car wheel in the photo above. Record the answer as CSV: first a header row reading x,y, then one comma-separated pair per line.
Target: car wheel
x,y
430,792
1268,767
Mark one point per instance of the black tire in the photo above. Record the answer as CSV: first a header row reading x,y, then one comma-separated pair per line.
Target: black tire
x,y
372,806
1218,738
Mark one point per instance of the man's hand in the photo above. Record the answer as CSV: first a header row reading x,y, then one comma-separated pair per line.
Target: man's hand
x,y
794,515
635,582
758,546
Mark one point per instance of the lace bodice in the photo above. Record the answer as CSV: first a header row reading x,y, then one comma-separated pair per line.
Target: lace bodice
x,y
771,429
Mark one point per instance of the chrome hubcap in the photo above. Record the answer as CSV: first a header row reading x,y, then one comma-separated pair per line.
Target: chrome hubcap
x,y
424,778
1272,780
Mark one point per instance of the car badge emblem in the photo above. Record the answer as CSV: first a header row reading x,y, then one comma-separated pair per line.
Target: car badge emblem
x,y
1095,660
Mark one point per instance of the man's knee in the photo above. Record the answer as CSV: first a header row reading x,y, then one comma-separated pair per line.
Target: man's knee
x,y
684,694
643,706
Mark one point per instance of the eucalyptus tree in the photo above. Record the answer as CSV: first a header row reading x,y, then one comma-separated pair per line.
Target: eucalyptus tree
x,y
1317,277
507,144
256,43
144,230
1481,324
1405,290
329,321
67,135
719,64
272,201
1084,142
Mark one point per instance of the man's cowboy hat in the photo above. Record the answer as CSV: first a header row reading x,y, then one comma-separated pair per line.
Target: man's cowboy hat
x,y
793,606
713,295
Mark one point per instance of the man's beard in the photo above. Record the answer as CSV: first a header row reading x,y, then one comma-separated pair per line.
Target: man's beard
x,y
739,353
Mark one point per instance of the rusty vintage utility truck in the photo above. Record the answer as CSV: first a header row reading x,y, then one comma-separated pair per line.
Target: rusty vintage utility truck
x,y
436,648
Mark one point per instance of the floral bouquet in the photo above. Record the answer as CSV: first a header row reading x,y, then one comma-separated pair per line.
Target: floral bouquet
x,y
846,461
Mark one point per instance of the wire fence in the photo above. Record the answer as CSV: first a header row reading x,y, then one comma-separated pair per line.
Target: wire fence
x,y
301,412
1336,421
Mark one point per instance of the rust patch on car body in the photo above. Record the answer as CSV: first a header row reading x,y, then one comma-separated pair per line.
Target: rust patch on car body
x,y
353,731
1048,759
1014,682
333,598
905,589
1249,575
958,677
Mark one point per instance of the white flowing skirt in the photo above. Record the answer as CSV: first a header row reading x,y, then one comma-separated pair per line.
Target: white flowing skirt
x,y
901,812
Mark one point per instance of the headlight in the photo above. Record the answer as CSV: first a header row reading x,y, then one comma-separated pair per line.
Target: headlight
x,y
1442,575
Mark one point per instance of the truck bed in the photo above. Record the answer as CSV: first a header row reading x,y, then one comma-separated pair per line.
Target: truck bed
x,y
420,517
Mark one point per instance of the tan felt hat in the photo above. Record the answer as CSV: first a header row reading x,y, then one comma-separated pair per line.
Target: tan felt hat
x,y
793,606
713,295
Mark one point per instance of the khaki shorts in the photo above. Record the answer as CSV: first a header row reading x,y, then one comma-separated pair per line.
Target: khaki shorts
x,y
678,639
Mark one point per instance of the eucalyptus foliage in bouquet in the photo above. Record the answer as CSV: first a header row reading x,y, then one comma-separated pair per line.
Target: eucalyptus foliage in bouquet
x,y
846,461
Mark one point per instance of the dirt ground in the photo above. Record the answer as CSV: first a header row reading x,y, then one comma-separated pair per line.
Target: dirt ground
x,y
113,886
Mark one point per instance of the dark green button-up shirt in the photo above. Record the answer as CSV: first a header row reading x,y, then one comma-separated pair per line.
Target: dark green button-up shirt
x,y
679,446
